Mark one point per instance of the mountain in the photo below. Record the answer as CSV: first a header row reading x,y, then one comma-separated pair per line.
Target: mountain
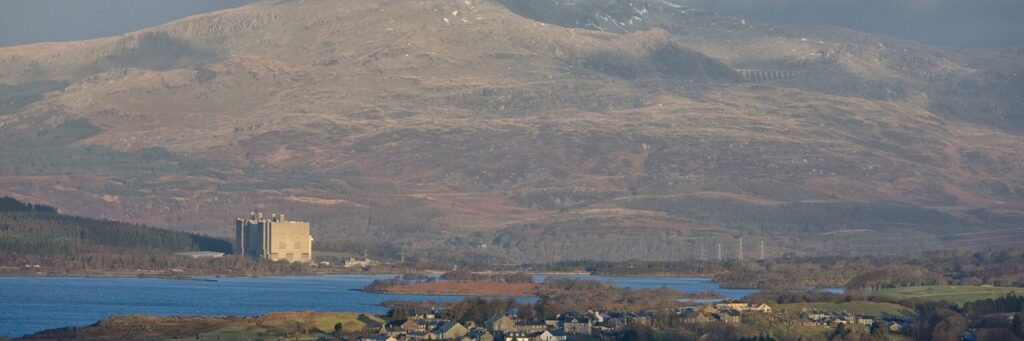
x,y
524,131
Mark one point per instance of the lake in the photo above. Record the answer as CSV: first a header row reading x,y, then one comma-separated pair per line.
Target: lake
x,y
32,304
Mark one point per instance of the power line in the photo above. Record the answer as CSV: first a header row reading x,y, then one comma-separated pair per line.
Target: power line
x,y
984,236
941,239
740,255
983,232
984,245
701,249
1006,242
948,241
942,234
762,249
950,238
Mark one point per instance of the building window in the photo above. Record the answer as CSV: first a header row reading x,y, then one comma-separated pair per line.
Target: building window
x,y
283,245
288,255
305,256
298,245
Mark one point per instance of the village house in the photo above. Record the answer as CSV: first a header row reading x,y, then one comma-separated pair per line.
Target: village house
x,y
415,336
704,314
546,335
517,336
410,325
729,316
429,325
381,337
833,318
450,330
501,323
363,262
864,320
597,316
478,335
711,313
552,323
427,314
700,317
814,318
610,325
549,335
530,327
746,307
508,327
576,325
643,319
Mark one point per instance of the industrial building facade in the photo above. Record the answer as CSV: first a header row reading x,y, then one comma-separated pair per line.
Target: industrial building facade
x,y
273,238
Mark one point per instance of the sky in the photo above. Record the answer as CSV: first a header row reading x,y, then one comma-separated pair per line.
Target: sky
x,y
32,21
962,23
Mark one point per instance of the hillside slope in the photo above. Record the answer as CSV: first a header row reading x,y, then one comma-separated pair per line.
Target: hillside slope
x,y
35,235
978,86
479,132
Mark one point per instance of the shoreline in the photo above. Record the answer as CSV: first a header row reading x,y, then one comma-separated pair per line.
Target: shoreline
x,y
444,294
163,274
652,275
184,277
215,277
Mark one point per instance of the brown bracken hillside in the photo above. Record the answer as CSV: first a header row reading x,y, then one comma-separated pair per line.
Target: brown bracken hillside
x,y
532,132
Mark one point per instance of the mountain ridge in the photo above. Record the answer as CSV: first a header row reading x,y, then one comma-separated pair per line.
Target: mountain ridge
x,y
444,127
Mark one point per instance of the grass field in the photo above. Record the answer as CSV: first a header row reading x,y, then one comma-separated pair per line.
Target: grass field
x,y
272,326
293,326
860,307
951,293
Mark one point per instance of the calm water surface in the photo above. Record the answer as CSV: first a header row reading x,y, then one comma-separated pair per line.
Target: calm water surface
x,y
32,304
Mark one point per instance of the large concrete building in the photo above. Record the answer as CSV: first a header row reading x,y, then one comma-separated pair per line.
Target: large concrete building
x,y
273,238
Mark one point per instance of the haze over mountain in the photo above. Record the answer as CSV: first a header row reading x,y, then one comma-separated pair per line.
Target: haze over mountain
x,y
524,131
